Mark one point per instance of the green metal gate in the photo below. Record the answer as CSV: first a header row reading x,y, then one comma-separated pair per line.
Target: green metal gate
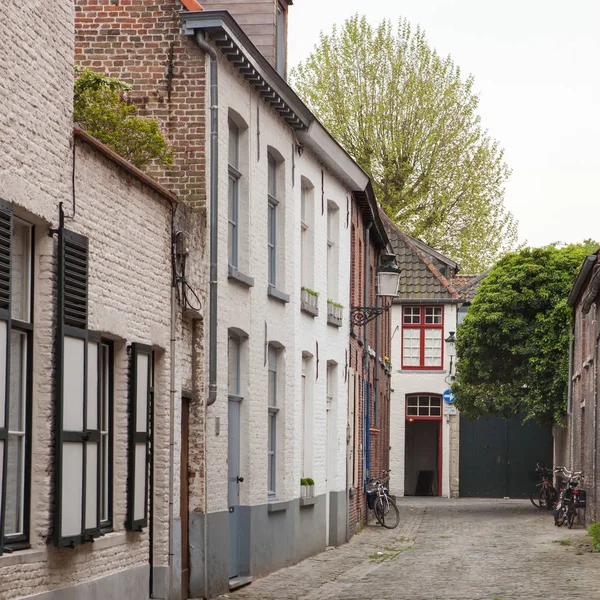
x,y
497,456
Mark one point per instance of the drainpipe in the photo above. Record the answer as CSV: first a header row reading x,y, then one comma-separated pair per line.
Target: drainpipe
x,y
570,398
213,204
214,213
172,437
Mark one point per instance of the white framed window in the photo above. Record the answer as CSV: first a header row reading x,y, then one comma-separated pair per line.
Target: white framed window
x,y
332,252
307,234
272,221
16,329
235,176
423,405
234,361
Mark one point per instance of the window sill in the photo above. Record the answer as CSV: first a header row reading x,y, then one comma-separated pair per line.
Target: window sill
x,y
307,502
277,506
313,311
277,295
23,557
421,371
239,277
374,430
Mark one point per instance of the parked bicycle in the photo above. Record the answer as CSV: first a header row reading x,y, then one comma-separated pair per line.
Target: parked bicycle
x,y
378,500
571,501
545,494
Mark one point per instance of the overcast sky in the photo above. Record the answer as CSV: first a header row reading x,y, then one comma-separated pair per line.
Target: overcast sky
x,y
536,65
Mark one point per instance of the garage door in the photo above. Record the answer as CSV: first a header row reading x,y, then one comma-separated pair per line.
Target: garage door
x,y
497,456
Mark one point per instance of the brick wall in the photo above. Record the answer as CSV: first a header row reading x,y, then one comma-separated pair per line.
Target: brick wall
x,y
141,43
365,370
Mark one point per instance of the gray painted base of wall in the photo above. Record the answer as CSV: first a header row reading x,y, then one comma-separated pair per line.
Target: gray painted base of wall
x,y
132,584
270,540
338,518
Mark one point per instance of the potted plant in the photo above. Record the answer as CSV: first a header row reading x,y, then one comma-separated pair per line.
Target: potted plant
x,y
303,488
387,362
311,487
334,312
309,301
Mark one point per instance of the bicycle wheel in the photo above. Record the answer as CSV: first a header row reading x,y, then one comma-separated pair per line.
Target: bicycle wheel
x,y
560,514
571,517
536,498
551,497
387,512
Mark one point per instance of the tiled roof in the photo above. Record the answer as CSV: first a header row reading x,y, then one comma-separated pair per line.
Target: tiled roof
x,y
420,279
467,285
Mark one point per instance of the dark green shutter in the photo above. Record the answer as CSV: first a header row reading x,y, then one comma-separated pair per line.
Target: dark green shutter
x,y
77,457
140,414
6,224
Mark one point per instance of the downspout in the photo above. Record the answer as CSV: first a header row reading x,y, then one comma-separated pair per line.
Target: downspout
x,y
214,213
570,397
213,207
172,435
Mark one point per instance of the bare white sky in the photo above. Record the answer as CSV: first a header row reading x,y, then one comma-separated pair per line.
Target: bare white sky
x,y
536,65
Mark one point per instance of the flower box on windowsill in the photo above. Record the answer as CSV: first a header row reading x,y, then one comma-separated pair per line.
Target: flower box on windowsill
x,y
309,302
334,313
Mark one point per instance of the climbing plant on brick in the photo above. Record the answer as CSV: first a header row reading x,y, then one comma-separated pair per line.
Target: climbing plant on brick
x,y
513,346
101,107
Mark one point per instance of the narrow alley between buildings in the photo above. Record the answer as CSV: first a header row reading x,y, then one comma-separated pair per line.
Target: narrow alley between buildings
x,y
463,549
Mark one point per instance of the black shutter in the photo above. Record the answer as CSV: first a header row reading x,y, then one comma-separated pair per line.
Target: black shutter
x,y
141,375
6,224
77,457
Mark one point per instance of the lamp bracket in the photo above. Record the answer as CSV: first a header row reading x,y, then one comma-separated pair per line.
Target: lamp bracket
x,y
361,315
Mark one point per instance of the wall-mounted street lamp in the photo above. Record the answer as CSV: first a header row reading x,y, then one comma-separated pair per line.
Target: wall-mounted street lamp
x,y
388,280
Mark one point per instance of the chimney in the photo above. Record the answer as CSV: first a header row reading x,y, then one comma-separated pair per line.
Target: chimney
x,y
264,22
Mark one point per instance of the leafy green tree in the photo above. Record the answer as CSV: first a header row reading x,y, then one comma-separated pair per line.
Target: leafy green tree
x,y
409,119
101,108
513,346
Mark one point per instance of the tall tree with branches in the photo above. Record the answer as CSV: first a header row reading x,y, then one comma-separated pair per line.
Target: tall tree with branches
x,y
410,120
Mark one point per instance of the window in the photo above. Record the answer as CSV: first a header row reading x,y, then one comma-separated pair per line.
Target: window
x,y
141,393
105,378
332,252
306,234
280,40
234,193
234,366
16,329
423,406
273,409
272,221
78,482
422,334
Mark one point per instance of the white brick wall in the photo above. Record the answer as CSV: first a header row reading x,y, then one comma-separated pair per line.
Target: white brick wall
x,y
403,383
248,309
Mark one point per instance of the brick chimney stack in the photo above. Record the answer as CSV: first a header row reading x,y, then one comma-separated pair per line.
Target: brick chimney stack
x,y
264,22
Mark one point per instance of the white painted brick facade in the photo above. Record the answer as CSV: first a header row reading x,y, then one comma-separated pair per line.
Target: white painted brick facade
x,y
249,309
404,382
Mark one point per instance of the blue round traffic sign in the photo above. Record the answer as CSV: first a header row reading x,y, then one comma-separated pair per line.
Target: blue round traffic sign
x,y
449,397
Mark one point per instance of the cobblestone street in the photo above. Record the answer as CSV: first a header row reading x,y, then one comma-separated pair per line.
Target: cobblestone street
x,y
446,549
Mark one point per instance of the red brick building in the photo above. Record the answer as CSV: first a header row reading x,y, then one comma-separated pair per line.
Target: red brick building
x,y
369,373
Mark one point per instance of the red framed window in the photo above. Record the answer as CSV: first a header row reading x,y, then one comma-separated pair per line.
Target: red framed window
x,y
422,337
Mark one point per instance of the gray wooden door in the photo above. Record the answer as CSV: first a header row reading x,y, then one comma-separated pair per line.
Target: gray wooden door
x,y
233,487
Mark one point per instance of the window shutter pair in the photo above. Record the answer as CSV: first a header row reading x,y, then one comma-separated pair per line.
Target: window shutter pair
x,y
78,388
77,456
5,325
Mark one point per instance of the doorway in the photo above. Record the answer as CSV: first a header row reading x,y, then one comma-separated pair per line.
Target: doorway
x,y
184,494
233,486
423,445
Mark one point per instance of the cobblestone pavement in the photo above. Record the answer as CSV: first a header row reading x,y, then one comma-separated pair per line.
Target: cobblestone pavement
x,y
466,549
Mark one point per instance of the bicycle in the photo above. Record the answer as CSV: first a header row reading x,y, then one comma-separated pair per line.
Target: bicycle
x,y
378,499
571,500
547,495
